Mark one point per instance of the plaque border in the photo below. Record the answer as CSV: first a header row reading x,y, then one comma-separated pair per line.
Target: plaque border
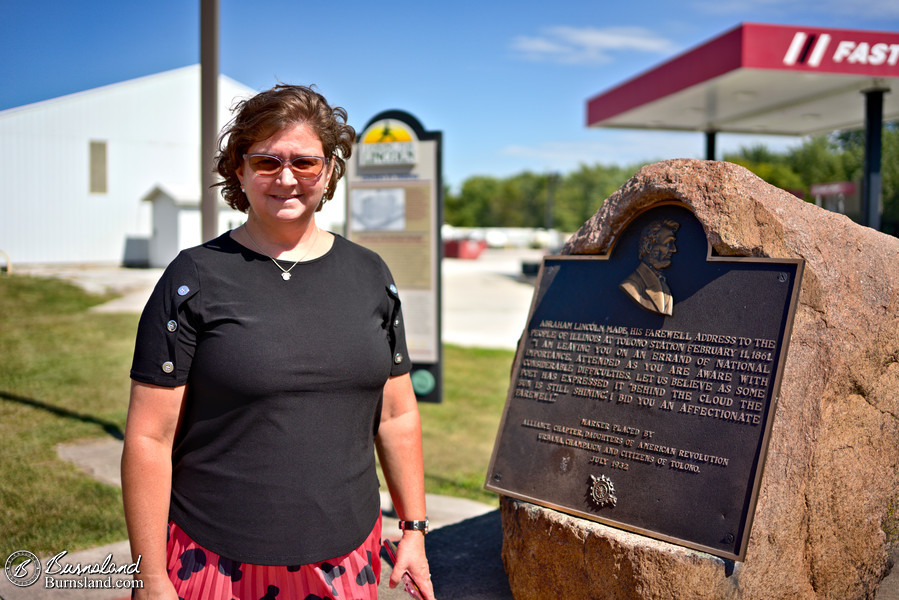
x,y
768,424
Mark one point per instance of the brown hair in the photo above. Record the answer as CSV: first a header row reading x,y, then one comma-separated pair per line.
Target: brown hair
x,y
262,116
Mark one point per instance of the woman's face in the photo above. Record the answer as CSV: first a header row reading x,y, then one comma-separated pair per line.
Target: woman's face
x,y
285,197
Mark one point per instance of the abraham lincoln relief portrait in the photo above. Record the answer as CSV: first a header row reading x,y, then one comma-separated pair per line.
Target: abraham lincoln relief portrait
x,y
647,285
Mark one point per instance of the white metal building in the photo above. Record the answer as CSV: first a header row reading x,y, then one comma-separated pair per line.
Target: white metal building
x,y
82,173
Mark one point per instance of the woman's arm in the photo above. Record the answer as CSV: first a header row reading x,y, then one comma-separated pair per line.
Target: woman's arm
x,y
153,416
399,450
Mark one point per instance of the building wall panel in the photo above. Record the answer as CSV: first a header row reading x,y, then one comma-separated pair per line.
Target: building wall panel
x,y
151,129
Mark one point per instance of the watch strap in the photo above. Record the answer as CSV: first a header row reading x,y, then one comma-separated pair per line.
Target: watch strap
x,y
415,525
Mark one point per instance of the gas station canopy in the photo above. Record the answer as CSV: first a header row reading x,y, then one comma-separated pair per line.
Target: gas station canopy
x,y
761,79
769,79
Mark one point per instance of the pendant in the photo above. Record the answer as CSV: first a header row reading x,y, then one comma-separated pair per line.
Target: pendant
x,y
285,276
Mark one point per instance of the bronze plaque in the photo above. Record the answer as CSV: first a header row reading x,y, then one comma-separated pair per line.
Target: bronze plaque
x,y
644,387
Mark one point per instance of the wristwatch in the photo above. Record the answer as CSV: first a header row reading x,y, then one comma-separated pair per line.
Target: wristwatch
x,y
421,526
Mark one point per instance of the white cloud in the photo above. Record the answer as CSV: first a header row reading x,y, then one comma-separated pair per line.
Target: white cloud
x,y
537,45
588,45
613,38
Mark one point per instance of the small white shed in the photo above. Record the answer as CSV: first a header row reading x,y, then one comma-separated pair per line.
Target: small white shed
x,y
176,225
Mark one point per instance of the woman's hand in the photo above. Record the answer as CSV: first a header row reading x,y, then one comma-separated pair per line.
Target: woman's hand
x,y
157,589
411,559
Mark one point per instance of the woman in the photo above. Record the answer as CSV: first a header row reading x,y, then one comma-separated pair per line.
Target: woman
x,y
268,363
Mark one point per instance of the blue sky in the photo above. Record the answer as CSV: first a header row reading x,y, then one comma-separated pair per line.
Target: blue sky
x,y
506,82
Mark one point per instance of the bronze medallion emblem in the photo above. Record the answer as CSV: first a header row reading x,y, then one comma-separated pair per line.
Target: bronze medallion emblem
x,y
602,491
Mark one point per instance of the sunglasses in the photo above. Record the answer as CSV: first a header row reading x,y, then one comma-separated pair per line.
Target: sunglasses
x,y
303,167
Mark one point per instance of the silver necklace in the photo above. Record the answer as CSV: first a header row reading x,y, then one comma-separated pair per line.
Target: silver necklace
x,y
285,273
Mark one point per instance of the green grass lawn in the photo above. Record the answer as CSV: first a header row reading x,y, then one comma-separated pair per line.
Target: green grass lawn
x,y
458,433
64,377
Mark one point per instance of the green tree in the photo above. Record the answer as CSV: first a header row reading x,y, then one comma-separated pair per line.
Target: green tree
x,y
534,200
580,193
770,166
758,154
838,156
522,202
472,207
890,171
567,201
819,160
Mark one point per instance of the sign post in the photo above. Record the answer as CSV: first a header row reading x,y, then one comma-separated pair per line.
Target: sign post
x,y
395,207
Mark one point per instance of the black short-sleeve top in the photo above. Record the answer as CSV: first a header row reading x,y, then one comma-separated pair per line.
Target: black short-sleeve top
x,y
273,462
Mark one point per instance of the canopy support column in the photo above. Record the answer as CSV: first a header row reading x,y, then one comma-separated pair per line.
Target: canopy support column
x,y
710,139
872,182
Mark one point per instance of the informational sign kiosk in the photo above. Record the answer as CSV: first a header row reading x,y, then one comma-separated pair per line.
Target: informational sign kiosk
x,y
395,207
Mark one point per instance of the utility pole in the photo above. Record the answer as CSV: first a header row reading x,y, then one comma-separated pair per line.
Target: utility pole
x,y
209,76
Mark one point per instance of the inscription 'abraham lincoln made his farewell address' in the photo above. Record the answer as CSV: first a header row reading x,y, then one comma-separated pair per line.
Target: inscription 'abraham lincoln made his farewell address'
x,y
714,376
644,385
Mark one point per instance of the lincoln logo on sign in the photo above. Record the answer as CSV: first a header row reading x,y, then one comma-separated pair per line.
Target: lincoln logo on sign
x,y
810,49
387,143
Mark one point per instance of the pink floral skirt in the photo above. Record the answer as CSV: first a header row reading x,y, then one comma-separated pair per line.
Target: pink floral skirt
x,y
200,574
